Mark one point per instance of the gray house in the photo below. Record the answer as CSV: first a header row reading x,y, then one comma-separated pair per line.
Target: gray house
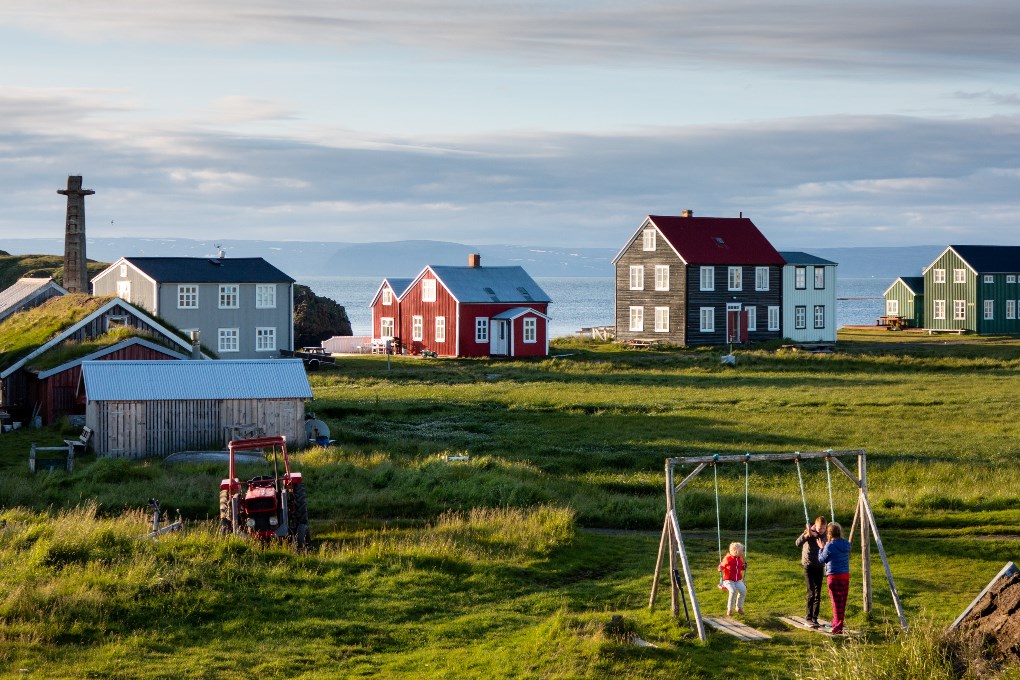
x,y
27,293
243,308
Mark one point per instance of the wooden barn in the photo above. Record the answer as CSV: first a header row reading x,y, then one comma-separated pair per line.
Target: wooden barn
x,y
26,293
904,300
155,408
474,311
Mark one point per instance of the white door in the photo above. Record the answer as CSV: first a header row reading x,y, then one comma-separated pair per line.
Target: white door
x,y
124,290
498,332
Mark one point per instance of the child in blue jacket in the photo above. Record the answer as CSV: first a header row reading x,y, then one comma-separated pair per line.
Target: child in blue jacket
x,y
835,555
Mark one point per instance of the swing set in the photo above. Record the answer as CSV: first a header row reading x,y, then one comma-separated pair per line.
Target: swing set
x,y
672,544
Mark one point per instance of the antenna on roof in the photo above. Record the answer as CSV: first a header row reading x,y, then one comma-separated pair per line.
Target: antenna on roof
x,y
220,254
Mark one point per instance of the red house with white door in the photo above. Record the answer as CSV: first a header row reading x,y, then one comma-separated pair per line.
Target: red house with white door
x,y
471,311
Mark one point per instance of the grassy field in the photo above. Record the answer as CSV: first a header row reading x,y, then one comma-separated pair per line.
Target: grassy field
x,y
513,564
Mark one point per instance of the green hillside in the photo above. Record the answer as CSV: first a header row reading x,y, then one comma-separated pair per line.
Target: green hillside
x,y
14,267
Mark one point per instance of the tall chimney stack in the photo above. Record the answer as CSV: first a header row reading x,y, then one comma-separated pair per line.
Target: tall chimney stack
x,y
474,260
687,213
76,274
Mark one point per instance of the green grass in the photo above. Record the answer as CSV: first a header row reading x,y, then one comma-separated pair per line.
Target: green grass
x,y
489,568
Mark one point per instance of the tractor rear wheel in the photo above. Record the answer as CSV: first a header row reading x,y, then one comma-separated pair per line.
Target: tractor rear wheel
x,y
226,518
300,533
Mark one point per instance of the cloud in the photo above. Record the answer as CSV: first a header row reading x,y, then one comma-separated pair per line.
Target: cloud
x,y
1000,99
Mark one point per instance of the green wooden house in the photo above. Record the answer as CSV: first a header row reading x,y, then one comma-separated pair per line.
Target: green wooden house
x,y
973,289
905,299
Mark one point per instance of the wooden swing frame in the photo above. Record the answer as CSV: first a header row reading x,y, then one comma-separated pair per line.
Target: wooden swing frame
x,y
672,539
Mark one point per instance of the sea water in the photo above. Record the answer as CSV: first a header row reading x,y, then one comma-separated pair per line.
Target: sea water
x,y
581,302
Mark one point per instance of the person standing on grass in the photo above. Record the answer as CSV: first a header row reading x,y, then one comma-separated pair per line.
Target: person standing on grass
x,y
835,555
732,568
813,569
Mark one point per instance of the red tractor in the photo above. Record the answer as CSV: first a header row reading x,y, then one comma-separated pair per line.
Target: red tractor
x,y
266,506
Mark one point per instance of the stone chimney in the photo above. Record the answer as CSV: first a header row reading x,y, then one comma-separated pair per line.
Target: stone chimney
x,y
687,213
76,274
474,260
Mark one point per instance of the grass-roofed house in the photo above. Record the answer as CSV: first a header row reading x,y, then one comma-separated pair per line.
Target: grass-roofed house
x,y
155,408
973,288
41,350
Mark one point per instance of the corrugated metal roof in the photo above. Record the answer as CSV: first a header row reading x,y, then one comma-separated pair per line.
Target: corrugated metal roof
x,y
22,290
797,257
167,380
209,270
490,284
717,240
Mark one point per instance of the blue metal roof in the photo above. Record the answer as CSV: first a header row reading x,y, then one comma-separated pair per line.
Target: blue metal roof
x,y
173,380
209,270
515,312
797,257
399,286
490,284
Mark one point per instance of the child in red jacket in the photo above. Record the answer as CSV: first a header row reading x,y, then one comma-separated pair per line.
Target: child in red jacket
x,y
732,568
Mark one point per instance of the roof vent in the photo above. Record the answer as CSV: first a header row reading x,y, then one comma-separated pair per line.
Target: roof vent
x,y
491,293
719,241
687,213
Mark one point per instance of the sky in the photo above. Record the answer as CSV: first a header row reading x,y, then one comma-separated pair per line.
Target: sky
x,y
561,123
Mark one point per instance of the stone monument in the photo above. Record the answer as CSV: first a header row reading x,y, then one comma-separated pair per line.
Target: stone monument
x,y
76,274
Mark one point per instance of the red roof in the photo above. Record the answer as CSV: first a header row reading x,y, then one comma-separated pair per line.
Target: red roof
x,y
717,240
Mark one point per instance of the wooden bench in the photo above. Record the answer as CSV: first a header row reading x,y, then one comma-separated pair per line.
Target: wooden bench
x,y
65,462
957,331
641,343
82,440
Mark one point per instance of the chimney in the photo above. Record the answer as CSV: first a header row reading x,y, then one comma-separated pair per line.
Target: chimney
x,y
76,275
687,213
196,345
474,260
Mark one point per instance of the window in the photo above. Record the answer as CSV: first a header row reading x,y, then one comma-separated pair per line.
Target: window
x,y
819,278
228,297
989,310
123,270
265,296
386,327
662,277
417,330
227,340
761,278
959,310
939,310
440,329
1011,278
800,316
989,278
662,319
708,278
773,318
530,329
117,321
734,278
1010,309
959,276
124,290
481,329
637,277
187,297
428,290
892,307
637,318
707,319
752,316
819,314
648,242
387,297
938,276
265,339
800,278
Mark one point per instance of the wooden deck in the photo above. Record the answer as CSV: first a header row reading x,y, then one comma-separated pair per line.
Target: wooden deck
x,y
803,624
737,629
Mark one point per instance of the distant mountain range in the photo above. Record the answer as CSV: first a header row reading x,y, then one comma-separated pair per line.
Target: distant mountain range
x,y
406,258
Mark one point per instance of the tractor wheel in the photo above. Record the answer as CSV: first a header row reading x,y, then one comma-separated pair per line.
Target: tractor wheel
x,y
299,517
226,520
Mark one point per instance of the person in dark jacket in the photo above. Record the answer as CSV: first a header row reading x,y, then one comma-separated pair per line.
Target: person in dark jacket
x,y
813,569
835,555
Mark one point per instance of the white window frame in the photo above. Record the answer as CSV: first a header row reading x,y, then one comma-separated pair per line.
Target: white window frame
x,y
989,310
481,329
662,277
387,297
819,316
637,277
800,278
228,340
938,275
708,278
989,278
938,310
417,328
187,296
123,270
265,296
265,339
383,323
800,317
773,318
707,320
735,278
959,310
959,276
440,329
428,290
648,239
530,330
637,318
662,319
752,317
1011,309
124,290
892,307
1010,278
819,278
761,278
229,292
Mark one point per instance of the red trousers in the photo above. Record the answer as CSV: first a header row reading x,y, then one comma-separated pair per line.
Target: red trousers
x,y
839,587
